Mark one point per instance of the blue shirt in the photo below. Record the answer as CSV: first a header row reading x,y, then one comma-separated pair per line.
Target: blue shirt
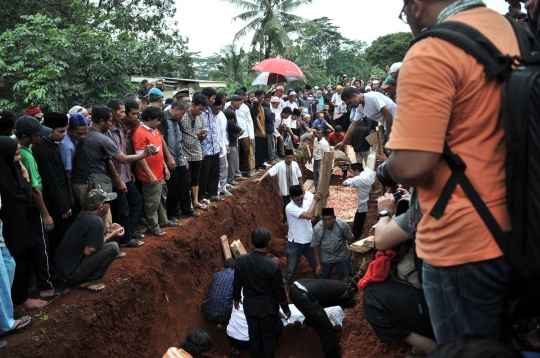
x,y
317,123
220,297
210,145
67,149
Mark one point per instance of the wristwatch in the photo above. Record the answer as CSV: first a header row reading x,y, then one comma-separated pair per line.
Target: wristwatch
x,y
384,212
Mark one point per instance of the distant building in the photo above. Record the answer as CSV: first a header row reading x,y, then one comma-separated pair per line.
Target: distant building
x,y
192,85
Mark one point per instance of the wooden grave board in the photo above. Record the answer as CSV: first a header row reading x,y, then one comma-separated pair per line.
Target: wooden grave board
x,y
363,246
225,246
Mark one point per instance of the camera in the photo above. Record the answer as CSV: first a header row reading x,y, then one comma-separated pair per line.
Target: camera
x,y
384,175
397,195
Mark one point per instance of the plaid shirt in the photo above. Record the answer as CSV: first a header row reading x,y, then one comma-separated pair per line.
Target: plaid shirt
x,y
220,297
190,141
210,144
118,136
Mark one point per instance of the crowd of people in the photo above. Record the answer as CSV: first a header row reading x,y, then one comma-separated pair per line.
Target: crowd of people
x,y
76,187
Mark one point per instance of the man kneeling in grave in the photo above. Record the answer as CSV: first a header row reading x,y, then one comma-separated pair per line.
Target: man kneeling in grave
x,y
218,306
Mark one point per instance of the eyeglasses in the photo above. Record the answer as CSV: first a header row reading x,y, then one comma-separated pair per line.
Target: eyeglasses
x,y
402,15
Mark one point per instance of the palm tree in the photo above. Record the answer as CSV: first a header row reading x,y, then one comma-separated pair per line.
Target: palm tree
x,y
271,22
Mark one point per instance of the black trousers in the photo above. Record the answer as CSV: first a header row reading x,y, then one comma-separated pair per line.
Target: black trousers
x,y
94,267
286,201
40,251
209,178
238,344
178,199
262,335
56,235
260,152
126,210
317,317
358,224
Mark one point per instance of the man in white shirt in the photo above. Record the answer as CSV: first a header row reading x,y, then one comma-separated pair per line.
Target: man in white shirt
x,y
288,174
362,181
300,211
339,105
224,146
245,141
373,105
291,103
320,145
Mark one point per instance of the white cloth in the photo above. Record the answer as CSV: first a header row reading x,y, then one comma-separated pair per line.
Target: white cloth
x,y
222,133
296,315
362,183
341,106
335,314
243,118
280,169
300,230
292,105
238,327
374,102
319,147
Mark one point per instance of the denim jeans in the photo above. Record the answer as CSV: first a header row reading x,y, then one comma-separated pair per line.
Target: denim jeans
x,y
294,254
466,299
7,274
344,267
126,210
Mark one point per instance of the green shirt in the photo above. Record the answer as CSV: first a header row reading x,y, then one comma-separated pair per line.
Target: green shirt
x,y
27,158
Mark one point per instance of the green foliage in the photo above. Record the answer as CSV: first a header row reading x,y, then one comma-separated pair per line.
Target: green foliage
x,y
43,317
389,49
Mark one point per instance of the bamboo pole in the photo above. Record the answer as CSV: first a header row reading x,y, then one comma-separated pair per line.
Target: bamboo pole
x,y
325,175
380,151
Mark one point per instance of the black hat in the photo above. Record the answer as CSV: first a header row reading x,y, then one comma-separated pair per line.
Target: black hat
x,y
296,190
296,112
327,212
27,125
54,120
289,152
357,166
7,120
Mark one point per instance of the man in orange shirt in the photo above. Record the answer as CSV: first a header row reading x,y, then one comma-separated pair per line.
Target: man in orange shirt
x,y
444,96
336,137
152,172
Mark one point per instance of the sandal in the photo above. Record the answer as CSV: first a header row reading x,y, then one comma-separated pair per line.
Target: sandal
x,y
133,243
202,207
92,290
121,255
24,322
169,224
158,232
137,236
234,182
58,292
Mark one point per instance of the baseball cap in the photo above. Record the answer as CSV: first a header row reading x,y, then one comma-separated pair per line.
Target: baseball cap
x,y
388,82
275,100
27,125
396,66
77,109
155,92
96,197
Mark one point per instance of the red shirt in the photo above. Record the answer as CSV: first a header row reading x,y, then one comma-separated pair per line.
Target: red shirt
x,y
141,138
334,139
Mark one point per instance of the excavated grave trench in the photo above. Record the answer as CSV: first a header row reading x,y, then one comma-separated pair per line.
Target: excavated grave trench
x,y
153,296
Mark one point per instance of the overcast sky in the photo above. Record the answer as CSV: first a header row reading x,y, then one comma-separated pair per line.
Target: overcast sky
x,y
209,27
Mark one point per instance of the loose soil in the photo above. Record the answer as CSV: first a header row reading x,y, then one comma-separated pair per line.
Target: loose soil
x,y
153,296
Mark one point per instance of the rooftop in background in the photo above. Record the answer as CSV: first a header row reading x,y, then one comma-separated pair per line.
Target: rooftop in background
x,y
192,84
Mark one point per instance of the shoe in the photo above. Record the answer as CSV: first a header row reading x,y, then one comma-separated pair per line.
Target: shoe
x,y
193,213
226,193
252,174
205,201
258,171
234,182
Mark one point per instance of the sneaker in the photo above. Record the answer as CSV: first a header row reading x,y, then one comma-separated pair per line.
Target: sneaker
x,y
205,201
258,171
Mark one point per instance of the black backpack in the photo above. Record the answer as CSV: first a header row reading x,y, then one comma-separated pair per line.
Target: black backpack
x,y
520,100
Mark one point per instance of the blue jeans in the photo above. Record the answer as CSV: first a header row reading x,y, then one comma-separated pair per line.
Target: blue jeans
x,y
7,273
294,254
466,299
344,267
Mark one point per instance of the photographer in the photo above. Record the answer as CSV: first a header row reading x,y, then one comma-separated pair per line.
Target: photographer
x,y
396,308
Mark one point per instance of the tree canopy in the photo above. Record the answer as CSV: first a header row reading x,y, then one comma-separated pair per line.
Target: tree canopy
x,y
389,49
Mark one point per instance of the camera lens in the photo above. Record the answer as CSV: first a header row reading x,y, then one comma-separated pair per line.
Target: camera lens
x,y
384,175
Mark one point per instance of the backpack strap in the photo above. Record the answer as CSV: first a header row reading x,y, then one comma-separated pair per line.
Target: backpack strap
x,y
458,167
472,42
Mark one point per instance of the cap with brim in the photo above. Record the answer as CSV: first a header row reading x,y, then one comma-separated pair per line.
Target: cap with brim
x,y
155,92
27,125
275,100
96,197
389,81
328,212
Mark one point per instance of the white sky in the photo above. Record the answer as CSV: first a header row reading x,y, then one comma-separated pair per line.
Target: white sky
x,y
366,20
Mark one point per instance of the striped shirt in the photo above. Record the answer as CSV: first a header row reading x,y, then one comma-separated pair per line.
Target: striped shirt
x,y
190,141
118,136
210,144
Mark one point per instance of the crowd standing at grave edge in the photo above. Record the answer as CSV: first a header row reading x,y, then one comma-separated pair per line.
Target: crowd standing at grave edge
x,y
77,187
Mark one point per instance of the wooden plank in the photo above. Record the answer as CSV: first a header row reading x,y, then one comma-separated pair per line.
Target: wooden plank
x,y
380,151
308,184
240,247
225,246
372,139
364,245
325,175
234,250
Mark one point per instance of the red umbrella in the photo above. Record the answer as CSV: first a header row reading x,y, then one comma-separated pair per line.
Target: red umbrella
x,y
279,66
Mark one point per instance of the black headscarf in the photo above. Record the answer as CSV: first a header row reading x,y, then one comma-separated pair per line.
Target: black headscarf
x,y
16,197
